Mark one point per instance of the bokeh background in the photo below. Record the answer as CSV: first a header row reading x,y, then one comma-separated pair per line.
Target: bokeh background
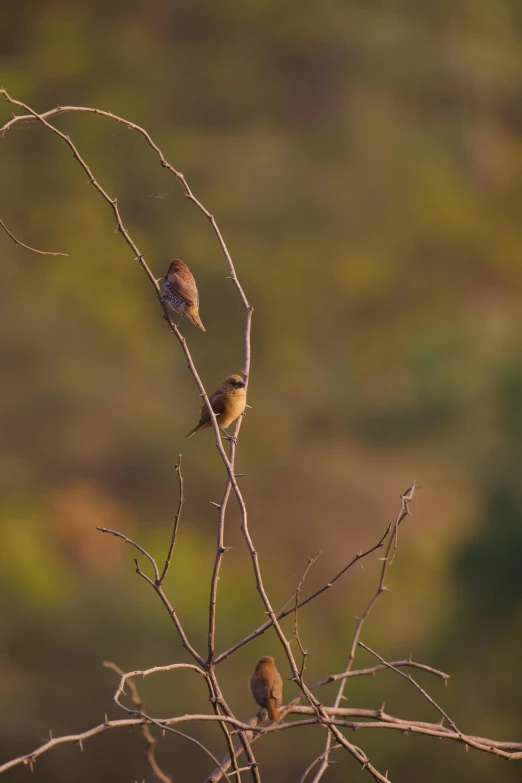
x,y
364,162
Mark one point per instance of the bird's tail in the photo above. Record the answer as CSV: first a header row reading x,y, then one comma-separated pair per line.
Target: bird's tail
x,y
193,314
272,709
191,433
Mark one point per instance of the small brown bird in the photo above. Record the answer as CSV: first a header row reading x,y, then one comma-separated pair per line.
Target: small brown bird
x,y
179,290
228,402
266,686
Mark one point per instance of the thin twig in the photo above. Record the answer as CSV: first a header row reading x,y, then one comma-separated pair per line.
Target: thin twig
x,y
135,545
406,497
158,588
371,670
217,699
150,740
316,761
285,612
164,162
465,738
27,247
175,526
414,683
304,653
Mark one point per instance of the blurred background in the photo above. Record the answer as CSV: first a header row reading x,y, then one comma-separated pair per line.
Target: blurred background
x,y
364,162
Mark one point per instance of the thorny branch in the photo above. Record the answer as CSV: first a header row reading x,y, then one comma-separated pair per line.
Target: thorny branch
x,y
406,498
304,653
216,697
285,612
373,719
331,718
150,740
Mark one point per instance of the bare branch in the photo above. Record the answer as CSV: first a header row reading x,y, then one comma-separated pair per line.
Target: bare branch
x,y
150,740
159,590
217,700
406,497
135,545
162,723
317,760
292,706
414,683
371,670
166,567
333,718
304,653
285,612
27,247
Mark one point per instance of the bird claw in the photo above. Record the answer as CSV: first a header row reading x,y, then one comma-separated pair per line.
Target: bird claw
x,y
230,438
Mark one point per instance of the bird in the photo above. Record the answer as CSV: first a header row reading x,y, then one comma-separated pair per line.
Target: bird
x,y
266,686
228,403
181,293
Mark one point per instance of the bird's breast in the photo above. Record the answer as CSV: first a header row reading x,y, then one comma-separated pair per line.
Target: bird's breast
x,y
234,407
175,301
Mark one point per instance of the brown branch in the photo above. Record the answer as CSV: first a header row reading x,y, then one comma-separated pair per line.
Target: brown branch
x,y
127,540
150,740
354,751
216,702
466,739
381,720
328,717
333,731
113,203
220,551
384,721
166,567
414,683
164,162
27,247
293,704
163,723
315,704
371,670
304,653
285,612
155,583
216,698
406,497
317,760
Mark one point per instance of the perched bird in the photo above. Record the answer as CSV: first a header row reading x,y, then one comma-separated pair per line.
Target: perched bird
x,y
179,290
228,402
266,686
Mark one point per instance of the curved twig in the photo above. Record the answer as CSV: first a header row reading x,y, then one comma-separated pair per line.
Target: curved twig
x,y
28,247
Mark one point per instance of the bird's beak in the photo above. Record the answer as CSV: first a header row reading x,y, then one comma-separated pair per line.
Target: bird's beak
x,y
241,384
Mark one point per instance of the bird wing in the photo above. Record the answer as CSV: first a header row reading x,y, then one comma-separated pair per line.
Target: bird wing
x,y
183,284
277,689
217,402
